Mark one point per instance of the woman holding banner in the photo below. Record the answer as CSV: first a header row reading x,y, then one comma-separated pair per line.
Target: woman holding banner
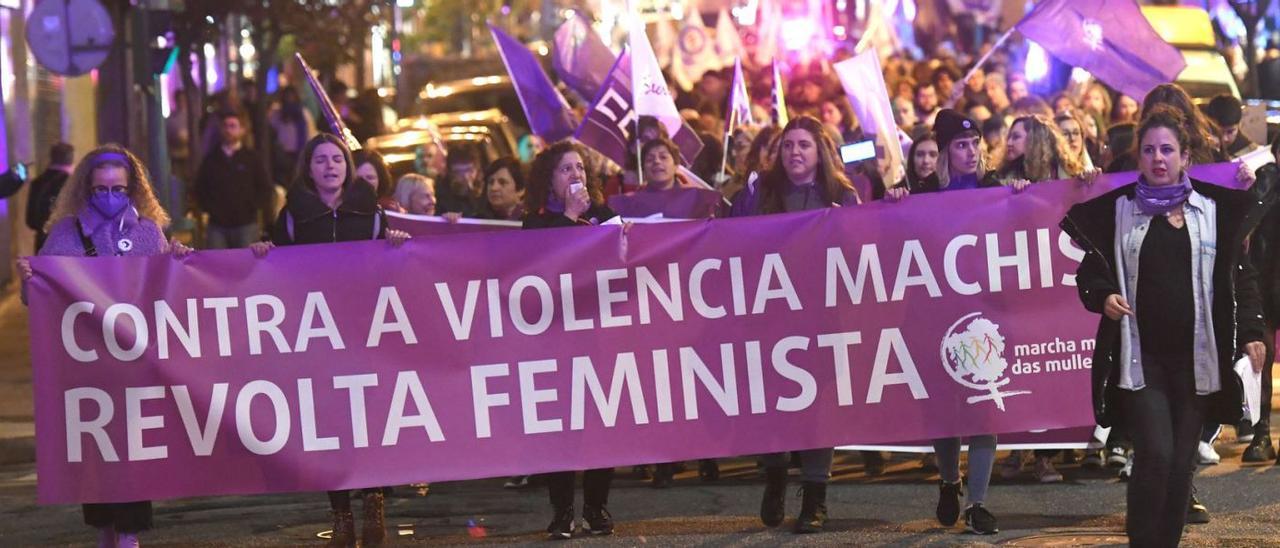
x,y
561,195
108,208
807,175
328,203
1166,266
1035,151
960,166
922,166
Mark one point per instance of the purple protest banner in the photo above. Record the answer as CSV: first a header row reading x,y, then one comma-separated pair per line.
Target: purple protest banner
x,y
1109,38
677,203
609,121
431,225
351,365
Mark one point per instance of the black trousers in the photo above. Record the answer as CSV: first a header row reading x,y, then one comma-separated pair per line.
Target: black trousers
x,y
595,488
1264,425
1164,420
124,517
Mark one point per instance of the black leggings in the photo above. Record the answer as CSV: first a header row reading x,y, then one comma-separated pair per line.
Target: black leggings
x,y
595,488
1164,420
124,517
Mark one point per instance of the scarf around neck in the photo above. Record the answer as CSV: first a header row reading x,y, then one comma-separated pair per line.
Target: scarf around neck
x,y
1161,199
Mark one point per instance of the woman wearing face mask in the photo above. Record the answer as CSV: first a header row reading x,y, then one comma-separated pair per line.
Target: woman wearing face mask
x,y
960,166
108,208
328,204
372,168
561,195
504,190
1166,267
806,175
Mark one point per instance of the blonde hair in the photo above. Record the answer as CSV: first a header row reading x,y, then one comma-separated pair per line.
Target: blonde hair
x,y
410,184
1046,150
944,162
75,194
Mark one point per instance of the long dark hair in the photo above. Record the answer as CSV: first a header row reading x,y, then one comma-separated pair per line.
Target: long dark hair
x,y
302,178
831,182
913,177
544,168
374,158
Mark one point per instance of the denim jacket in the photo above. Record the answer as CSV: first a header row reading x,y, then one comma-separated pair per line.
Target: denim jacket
x,y
1131,229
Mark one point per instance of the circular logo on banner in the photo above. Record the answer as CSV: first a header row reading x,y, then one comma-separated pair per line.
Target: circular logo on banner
x,y
972,352
125,245
693,40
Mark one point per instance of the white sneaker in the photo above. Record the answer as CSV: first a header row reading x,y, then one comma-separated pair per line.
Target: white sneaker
x,y
1206,455
1127,470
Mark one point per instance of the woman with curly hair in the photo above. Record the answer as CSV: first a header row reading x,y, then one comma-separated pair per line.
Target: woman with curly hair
x,y
560,194
1036,151
108,208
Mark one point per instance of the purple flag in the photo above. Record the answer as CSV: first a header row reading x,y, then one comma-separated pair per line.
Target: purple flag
x,y
581,58
608,124
548,113
1109,38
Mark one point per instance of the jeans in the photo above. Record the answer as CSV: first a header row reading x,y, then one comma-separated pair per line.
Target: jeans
x,y
982,455
231,237
1164,420
815,464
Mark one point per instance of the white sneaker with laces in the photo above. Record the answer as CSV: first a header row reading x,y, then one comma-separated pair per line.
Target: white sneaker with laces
x,y
1127,470
1206,455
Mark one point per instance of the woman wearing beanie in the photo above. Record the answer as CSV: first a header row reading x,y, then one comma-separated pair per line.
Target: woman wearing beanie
x,y
960,166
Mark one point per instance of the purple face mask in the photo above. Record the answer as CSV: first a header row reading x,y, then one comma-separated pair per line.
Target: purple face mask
x,y
109,204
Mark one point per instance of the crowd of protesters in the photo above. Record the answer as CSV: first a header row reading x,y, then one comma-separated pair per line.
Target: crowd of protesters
x,y
969,127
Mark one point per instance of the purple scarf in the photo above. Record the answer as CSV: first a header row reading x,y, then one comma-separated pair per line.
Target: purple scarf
x,y
1160,200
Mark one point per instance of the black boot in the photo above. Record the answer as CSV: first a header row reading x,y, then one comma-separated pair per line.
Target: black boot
x,y
813,508
663,475
1260,448
562,523
773,507
708,470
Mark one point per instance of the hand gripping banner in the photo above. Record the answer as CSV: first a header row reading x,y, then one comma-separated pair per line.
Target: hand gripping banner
x,y
499,353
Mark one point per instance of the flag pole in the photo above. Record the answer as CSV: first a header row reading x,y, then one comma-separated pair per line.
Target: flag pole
x,y
724,158
959,86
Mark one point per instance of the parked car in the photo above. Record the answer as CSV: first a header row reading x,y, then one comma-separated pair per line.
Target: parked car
x,y
1190,30
490,132
480,93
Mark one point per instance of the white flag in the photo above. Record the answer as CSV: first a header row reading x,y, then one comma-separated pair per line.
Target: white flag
x,y
739,101
649,91
695,53
728,41
863,82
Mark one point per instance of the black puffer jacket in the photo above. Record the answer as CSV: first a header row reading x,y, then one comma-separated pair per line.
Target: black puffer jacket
x,y
1237,306
306,219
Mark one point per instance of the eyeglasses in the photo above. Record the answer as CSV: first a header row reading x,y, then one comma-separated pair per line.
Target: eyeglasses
x,y
118,189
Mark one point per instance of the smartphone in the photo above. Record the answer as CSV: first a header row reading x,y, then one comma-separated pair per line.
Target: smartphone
x,y
857,152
